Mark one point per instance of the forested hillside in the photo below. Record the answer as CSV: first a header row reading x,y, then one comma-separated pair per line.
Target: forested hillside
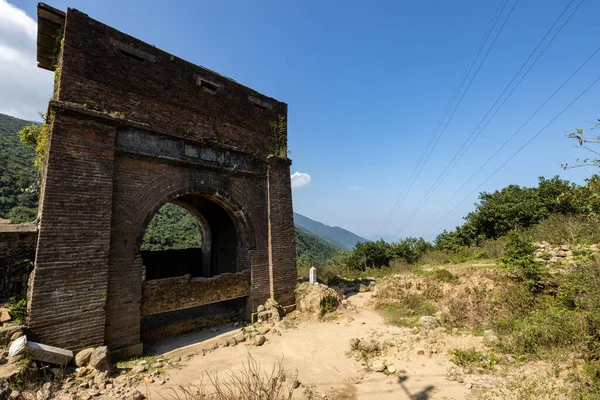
x,y
334,234
19,179
312,250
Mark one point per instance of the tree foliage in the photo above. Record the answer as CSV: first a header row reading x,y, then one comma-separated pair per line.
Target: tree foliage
x,y
380,253
172,228
19,180
515,207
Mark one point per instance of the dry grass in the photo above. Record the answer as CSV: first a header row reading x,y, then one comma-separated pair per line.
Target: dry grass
x,y
248,383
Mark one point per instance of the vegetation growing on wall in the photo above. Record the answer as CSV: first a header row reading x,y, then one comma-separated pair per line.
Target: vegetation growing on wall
x,y
279,129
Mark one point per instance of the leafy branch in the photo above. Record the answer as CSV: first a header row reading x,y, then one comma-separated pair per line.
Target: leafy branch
x,y
585,142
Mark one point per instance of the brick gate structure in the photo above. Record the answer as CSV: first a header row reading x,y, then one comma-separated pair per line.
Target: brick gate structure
x,y
131,128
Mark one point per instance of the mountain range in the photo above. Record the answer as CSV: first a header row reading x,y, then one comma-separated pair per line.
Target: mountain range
x,y
333,234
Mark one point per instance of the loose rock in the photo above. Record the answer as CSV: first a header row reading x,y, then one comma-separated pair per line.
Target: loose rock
x,y
259,340
378,366
83,357
100,358
428,322
136,395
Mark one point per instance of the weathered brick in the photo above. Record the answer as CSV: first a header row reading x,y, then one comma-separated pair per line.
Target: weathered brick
x,y
133,129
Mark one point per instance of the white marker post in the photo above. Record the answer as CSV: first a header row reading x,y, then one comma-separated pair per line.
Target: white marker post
x,y
312,276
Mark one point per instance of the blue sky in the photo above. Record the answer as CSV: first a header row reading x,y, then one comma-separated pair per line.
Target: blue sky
x,y
367,82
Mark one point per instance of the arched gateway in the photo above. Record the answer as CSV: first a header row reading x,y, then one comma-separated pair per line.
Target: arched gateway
x,y
131,129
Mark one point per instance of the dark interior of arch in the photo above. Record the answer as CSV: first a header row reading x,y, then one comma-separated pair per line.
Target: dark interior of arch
x,y
191,235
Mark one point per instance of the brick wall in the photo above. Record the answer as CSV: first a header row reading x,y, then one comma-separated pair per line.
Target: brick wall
x,y
172,294
282,260
17,253
162,90
70,278
135,128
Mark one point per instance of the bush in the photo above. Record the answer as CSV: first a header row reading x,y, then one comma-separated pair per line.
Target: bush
x,y
518,257
18,310
443,275
22,214
544,330
566,229
380,254
517,208
473,358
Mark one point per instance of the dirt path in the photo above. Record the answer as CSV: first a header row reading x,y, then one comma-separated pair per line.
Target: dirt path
x,y
318,351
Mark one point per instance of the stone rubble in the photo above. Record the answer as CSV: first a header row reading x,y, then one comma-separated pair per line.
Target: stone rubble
x,y
564,254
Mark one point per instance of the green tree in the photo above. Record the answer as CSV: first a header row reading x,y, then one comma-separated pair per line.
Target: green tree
x,y
510,208
409,249
172,228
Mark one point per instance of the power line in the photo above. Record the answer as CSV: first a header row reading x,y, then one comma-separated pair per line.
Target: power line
x,y
474,134
515,154
428,151
514,134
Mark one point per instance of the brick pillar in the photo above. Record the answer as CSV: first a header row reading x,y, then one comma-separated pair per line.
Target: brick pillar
x,y
69,285
282,248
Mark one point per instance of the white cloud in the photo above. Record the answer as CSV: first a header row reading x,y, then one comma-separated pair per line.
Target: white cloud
x,y
24,88
356,188
300,179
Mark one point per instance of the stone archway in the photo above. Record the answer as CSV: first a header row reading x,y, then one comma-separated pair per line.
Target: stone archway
x,y
133,127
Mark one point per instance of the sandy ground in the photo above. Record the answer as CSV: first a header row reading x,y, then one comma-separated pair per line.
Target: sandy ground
x,y
319,352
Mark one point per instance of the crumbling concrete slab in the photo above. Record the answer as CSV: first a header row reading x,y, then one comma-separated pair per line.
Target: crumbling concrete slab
x,y
40,352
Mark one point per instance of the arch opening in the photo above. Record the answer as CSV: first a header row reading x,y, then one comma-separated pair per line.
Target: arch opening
x,y
195,257
173,244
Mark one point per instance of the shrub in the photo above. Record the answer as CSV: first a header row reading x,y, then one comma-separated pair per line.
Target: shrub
x,y
473,358
518,256
18,310
443,275
545,329
566,229
328,304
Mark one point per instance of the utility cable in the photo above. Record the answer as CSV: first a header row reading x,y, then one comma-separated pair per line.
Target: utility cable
x,y
428,150
474,134
513,135
514,154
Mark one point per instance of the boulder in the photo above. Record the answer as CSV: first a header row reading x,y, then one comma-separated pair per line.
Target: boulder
x,y
83,357
138,369
316,299
428,322
100,358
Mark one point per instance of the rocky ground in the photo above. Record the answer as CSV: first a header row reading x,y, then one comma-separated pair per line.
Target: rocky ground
x,y
350,353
